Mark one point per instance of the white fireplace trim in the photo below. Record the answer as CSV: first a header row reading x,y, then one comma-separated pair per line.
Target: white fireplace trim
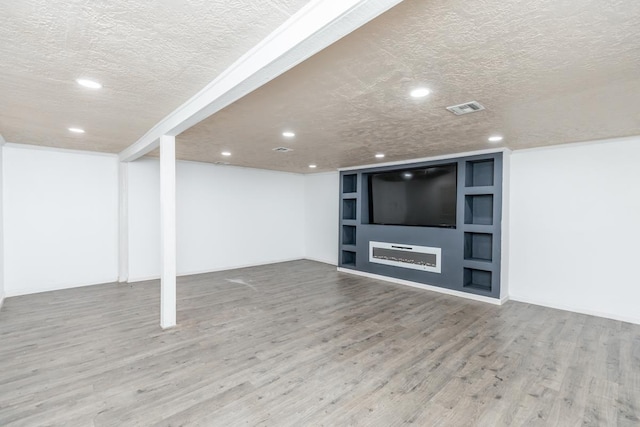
x,y
400,249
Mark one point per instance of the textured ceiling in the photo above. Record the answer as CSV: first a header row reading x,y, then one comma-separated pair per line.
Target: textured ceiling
x,y
150,56
547,71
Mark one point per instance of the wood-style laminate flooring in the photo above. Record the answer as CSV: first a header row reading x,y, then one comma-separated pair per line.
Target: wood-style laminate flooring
x,y
299,344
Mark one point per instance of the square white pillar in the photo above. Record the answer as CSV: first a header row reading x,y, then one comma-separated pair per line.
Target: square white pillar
x,y
168,231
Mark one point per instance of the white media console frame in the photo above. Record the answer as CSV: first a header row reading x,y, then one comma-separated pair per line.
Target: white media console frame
x,y
400,248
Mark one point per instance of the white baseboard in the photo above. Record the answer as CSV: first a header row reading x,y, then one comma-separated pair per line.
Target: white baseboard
x,y
494,301
324,261
235,267
214,270
564,307
140,279
29,291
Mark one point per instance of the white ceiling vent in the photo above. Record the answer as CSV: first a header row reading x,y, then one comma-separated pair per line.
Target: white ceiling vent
x,y
466,108
282,149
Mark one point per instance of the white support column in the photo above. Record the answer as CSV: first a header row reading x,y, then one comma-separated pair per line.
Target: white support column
x,y
2,142
168,231
123,222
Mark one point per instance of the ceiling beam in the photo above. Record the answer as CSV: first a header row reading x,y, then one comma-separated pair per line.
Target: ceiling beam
x,y
317,25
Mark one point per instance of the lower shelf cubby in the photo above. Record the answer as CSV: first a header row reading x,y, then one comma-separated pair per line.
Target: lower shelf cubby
x,y
348,235
477,279
348,259
478,246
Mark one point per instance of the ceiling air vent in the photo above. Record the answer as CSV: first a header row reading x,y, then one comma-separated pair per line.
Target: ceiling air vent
x,y
466,108
282,149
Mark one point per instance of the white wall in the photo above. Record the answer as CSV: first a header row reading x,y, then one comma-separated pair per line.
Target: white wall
x,y
573,234
505,227
227,217
575,228
144,219
321,217
60,219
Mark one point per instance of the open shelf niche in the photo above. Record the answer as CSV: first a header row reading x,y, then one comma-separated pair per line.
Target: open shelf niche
x,y
478,209
477,279
349,208
348,259
479,173
478,246
349,183
349,235
349,196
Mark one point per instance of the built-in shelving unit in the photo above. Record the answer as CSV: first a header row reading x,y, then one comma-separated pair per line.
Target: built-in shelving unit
x,y
470,251
480,269
348,219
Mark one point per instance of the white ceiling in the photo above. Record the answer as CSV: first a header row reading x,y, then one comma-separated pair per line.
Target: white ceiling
x,y
150,56
548,72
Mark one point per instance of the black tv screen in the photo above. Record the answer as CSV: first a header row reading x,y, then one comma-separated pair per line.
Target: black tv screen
x,y
420,196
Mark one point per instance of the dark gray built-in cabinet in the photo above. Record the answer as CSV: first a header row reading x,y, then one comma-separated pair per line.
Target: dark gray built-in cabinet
x,y
470,252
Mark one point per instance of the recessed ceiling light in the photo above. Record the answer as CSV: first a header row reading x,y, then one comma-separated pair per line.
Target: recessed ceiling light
x,y
288,134
89,83
420,92
226,153
379,156
313,166
76,130
495,138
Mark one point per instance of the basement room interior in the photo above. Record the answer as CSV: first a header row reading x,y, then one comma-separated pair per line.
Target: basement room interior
x,y
319,213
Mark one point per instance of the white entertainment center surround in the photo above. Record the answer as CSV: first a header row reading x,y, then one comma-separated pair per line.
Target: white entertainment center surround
x,y
422,258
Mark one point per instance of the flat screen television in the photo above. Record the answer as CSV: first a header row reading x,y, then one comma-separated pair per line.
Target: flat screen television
x,y
419,196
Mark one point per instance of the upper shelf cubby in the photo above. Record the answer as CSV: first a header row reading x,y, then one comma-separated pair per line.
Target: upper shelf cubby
x,y
349,183
479,173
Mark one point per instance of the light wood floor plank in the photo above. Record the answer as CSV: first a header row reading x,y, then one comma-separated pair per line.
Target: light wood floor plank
x,y
299,344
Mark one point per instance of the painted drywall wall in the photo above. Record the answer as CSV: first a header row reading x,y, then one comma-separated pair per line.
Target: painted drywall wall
x,y
144,219
231,217
60,219
505,227
574,227
227,217
321,217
